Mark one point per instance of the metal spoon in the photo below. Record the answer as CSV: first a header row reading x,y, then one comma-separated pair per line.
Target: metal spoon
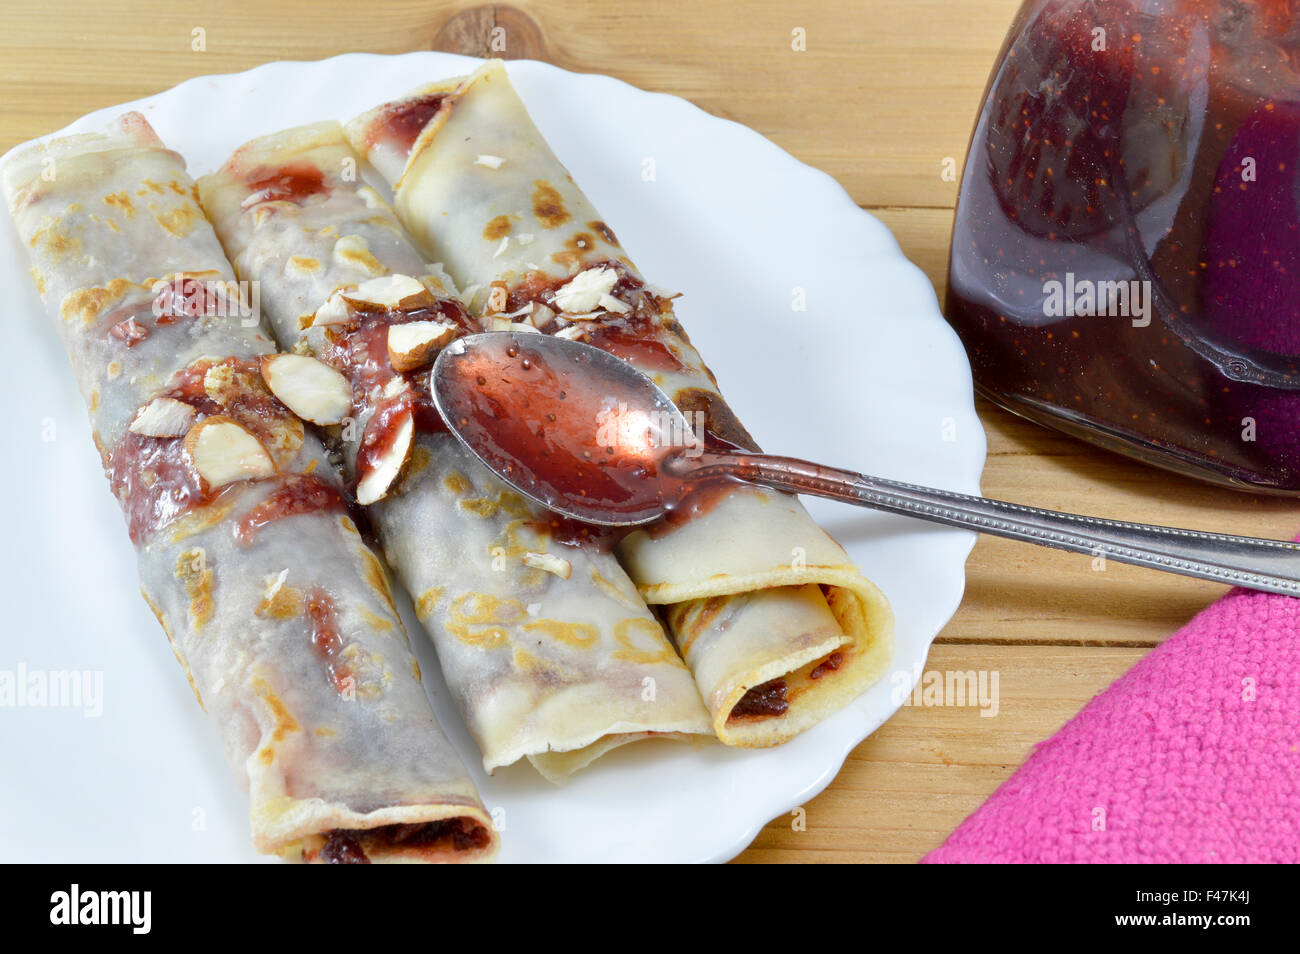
x,y
588,436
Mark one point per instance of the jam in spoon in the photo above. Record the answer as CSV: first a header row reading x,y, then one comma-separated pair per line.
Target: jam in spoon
x,y
588,436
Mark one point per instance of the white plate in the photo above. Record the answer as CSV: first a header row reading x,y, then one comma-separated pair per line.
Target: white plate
x,y
868,376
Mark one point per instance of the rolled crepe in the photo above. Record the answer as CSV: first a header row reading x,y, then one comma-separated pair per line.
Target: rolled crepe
x,y
548,649
279,613
779,628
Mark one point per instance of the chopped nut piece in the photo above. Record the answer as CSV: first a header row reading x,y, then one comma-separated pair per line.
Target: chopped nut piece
x,y
550,563
388,291
394,387
585,291
414,344
542,316
383,472
335,311
223,452
310,388
163,417
610,303
223,383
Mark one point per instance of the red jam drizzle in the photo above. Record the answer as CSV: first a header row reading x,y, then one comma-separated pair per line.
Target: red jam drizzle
x,y
568,532
179,298
152,477
292,182
360,353
398,125
382,429
130,332
327,641
633,340
300,494
153,481
185,298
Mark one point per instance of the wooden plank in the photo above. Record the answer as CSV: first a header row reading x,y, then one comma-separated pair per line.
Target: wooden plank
x,y
880,96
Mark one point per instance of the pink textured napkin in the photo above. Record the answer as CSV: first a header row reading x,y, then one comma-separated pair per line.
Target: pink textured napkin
x,y
1192,756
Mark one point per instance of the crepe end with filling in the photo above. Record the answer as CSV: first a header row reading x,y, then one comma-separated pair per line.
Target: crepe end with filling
x,y
280,615
777,625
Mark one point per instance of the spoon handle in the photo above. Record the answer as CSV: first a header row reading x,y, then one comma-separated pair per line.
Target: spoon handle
x,y
1272,566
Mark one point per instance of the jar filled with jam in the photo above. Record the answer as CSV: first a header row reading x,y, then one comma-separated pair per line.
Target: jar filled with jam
x,y
1126,248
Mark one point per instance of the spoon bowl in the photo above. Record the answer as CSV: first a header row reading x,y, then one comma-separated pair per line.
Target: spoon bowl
x,y
574,428
585,434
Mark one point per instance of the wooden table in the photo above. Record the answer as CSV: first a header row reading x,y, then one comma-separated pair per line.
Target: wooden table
x,y
883,93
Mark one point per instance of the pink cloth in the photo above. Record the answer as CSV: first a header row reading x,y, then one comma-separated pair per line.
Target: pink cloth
x,y
1192,756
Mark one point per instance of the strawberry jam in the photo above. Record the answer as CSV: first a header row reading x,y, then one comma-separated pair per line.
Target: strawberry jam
x,y
1126,249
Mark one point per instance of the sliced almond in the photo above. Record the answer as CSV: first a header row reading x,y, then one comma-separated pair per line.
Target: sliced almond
x,y
523,326
573,332
393,387
550,563
583,292
388,291
376,479
610,303
413,344
163,417
223,452
541,316
310,388
335,311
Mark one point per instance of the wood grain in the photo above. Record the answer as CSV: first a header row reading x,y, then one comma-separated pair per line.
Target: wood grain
x,y
881,95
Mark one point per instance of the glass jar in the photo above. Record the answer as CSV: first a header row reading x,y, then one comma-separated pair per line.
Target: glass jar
x,y
1126,248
